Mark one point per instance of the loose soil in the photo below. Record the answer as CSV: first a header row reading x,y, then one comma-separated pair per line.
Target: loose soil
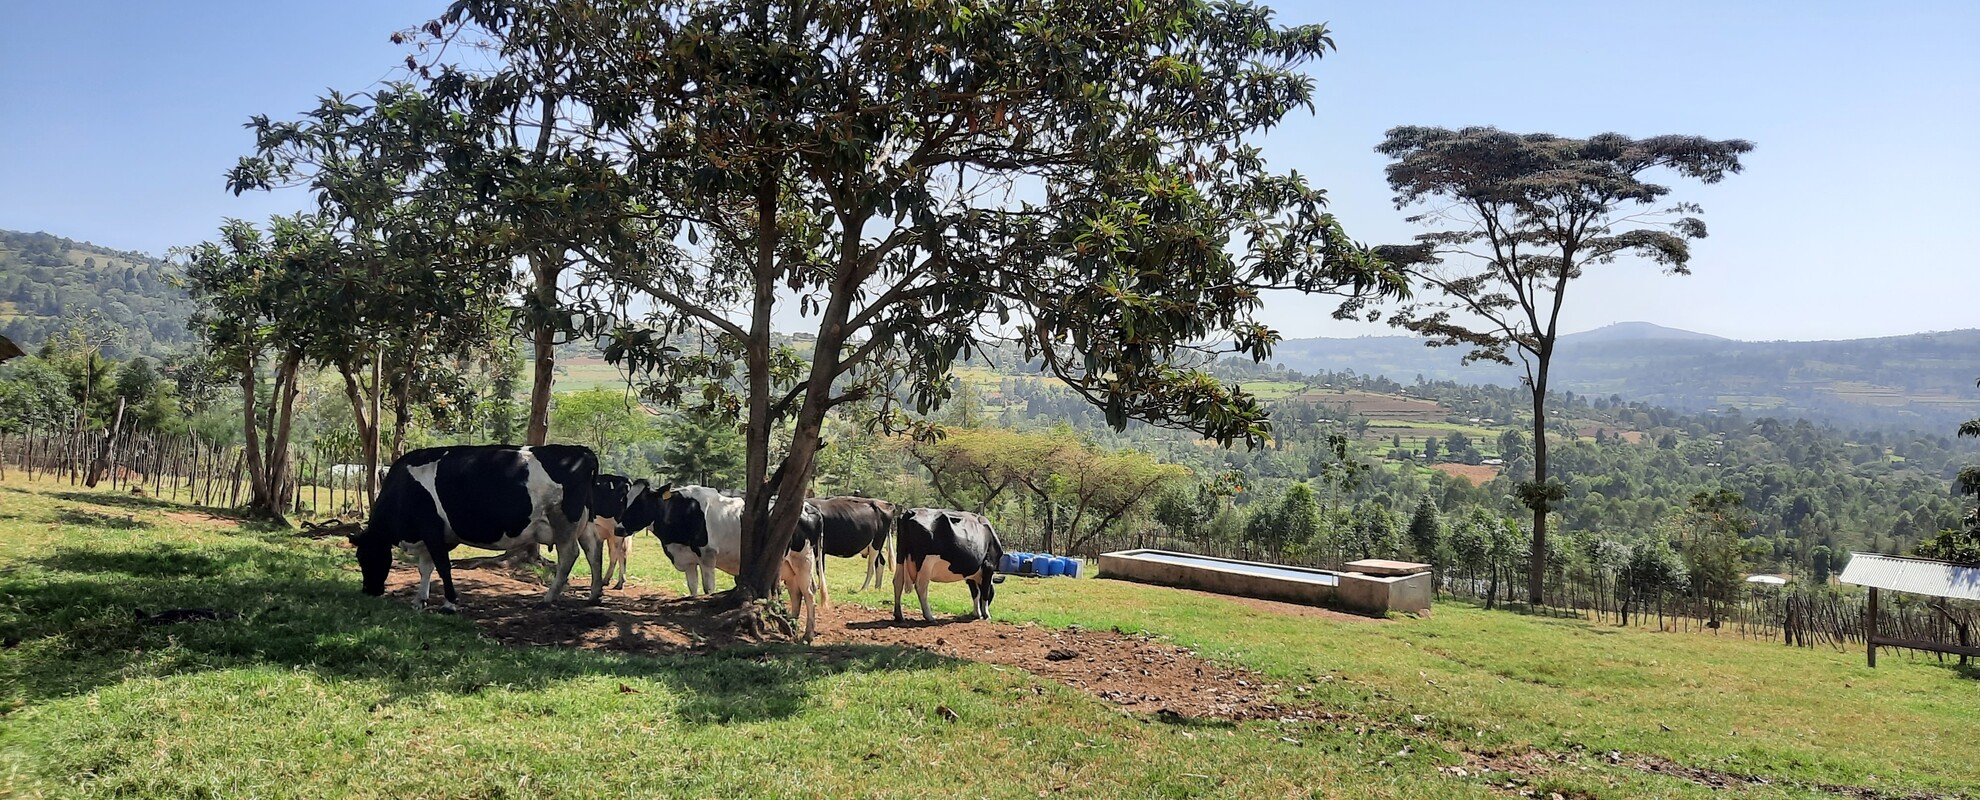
x,y
1478,474
1136,672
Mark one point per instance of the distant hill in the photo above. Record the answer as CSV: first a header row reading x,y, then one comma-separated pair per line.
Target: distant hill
x,y
1640,331
43,277
1923,381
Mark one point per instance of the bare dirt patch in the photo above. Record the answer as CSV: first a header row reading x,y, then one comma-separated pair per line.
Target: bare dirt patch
x,y
1478,474
1137,672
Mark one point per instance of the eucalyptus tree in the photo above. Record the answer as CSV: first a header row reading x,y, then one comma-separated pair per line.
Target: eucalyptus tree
x,y
920,179
1518,218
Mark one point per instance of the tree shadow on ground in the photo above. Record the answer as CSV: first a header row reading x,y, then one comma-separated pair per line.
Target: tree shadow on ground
x,y
912,621
91,519
136,502
71,621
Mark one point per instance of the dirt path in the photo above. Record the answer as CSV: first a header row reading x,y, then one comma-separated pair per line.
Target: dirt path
x,y
1136,672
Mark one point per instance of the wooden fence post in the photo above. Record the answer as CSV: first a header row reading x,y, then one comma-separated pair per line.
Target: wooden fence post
x,y
1870,627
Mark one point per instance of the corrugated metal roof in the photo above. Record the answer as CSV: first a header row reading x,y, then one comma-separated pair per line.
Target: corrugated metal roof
x,y
1914,575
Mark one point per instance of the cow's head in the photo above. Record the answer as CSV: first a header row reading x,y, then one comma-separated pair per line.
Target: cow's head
x,y
678,513
642,507
374,557
609,494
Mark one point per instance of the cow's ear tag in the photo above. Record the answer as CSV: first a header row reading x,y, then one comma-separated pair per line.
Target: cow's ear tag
x,y
667,495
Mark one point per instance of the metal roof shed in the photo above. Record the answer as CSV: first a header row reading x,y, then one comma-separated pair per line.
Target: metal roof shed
x,y
1912,576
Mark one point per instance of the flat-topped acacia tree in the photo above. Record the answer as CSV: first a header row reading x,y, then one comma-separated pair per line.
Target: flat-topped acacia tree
x,y
1519,217
923,178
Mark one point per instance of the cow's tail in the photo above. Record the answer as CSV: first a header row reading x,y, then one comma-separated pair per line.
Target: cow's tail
x,y
820,592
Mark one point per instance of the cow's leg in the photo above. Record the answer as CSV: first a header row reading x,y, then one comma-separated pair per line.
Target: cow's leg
x,y
619,546
975,600
873,556
900,585
921,589
444,560
594,558
566,559
708,570
798,570
818,584
606,527
425,577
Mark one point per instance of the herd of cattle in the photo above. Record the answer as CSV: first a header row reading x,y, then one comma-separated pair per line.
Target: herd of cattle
x,y
503,496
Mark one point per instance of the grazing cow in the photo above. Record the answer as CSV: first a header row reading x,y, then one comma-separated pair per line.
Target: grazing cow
x,y
701,531
943,546
496,497
854,527
611,496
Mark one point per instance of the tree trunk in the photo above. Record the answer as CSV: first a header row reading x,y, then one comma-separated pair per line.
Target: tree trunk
x,y
277,457
1537,570
759,573
402,402
251,444
102,464
543,334
361,406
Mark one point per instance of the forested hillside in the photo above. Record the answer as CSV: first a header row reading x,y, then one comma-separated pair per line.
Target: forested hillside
x,y
1922,381
45,278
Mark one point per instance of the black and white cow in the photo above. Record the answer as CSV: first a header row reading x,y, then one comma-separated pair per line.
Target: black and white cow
x,y
701,531
854,527
611,496
496,497
942,546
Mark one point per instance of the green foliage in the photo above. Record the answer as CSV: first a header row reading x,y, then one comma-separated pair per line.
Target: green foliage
x,y
1372,532
34,394
607,421
1074,484
701,449
1652,568
1426,534
1712,529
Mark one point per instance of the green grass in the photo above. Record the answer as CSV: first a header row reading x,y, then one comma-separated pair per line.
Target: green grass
x,y
318,691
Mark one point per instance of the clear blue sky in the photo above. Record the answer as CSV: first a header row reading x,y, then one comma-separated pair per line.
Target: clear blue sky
x,y
1851,219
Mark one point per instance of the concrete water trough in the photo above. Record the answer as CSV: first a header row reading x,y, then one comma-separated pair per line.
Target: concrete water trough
x,y
1373,586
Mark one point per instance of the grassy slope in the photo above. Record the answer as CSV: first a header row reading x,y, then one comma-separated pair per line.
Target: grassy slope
x,y
319,691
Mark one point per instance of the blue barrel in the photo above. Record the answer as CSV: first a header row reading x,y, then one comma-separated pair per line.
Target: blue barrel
x,y
1009,563
1054,566
1072,568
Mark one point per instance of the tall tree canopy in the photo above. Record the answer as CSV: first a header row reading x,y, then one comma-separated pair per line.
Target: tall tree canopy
x,y
921,177
1518,218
